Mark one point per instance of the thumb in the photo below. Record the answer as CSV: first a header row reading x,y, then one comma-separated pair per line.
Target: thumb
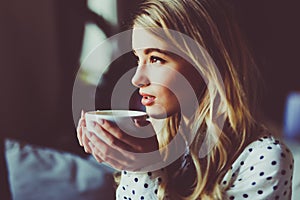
x,y
141,122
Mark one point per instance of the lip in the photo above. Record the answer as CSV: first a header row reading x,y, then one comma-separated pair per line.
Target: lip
x,y
145,94
147,99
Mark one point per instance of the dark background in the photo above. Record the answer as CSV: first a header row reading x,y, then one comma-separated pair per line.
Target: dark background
x,y
40,43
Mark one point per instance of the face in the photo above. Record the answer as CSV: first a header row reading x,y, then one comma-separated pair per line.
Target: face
x,y
160,75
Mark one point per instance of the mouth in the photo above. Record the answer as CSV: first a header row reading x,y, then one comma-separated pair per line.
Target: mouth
x,y
147,99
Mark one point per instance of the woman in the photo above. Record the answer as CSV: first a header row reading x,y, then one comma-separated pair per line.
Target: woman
x,y
224,152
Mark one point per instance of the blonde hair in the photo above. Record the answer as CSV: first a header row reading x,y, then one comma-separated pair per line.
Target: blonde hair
x,y
211,25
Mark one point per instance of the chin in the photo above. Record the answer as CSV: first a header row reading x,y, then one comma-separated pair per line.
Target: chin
x,y
159,112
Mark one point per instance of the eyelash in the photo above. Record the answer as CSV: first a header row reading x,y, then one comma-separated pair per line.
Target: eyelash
x,y
153,59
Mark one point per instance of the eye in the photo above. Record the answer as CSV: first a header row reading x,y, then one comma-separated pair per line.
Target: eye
x,y
137,60
155,59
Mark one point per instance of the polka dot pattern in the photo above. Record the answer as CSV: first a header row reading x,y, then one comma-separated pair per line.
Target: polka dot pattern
x,y
262,171
139,186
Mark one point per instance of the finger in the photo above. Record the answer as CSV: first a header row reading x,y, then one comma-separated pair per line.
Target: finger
x,y
121,140
108,151
79,130
85,140
94,153
112,129
79,136
109,139
81,121
115,162
82,114
135,164
141,122
121,158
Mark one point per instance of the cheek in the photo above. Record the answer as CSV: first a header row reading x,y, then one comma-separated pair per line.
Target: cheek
x,y
168,100
175,85
164,77
168,104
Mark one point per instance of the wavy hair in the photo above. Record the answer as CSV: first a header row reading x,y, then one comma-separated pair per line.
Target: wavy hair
x,y
211,24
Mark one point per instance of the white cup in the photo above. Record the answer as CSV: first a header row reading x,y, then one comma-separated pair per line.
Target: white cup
x,y
124,119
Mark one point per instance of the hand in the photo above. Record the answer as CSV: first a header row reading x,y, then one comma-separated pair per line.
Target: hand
x,y
82,134
122,151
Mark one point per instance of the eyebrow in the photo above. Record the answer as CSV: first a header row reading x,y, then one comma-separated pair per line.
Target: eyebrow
x,y
150,50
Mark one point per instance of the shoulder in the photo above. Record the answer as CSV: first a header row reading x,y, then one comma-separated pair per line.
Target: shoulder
x,y
265,149
263,170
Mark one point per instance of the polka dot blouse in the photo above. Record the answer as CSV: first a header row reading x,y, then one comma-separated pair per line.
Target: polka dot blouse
x,y
262,171
139,186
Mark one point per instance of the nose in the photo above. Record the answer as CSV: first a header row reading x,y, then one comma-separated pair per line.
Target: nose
x,y
140,78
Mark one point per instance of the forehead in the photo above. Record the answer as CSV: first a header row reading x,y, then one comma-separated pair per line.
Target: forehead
x,y
143,39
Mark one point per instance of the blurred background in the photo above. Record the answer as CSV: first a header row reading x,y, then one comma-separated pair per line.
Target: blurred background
x,y
42,46
43,43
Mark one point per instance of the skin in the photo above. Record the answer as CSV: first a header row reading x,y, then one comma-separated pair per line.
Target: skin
x,y
156,75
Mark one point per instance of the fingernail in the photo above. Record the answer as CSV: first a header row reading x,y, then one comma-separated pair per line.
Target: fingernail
x,y
94,124
82,113
101,121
